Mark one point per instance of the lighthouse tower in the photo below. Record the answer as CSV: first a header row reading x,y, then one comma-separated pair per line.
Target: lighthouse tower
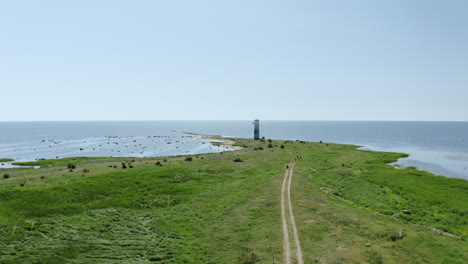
x,y
256,129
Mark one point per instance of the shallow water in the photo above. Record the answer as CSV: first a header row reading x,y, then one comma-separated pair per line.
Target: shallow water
x,y
438,147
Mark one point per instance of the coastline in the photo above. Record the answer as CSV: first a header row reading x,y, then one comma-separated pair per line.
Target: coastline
x,y
225,145
443,145
177,145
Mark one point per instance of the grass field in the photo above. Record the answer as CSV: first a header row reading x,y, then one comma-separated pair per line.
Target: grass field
x,y
348,204
6,160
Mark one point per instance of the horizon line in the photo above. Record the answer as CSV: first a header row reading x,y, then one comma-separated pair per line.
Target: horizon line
x,y
234,120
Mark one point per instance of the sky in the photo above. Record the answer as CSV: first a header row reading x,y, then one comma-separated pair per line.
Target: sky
x,y
234,60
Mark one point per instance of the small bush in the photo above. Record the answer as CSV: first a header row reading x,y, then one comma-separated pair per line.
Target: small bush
x,y
397,235
6,176
124,166
238,160
165,160
71,166
252,259
282,146
188,159
269,140
270,145
158,163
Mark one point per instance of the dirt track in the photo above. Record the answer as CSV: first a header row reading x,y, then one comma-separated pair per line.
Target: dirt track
x,y
286,208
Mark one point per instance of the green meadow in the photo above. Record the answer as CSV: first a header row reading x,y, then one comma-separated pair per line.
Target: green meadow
x,y
350,207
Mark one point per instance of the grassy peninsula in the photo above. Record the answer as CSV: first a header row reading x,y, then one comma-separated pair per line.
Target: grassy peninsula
x,y
350,207
6,160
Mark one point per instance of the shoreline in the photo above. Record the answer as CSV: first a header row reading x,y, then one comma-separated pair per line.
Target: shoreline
x,y
226,144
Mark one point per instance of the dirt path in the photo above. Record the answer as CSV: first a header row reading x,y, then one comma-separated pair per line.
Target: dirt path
x,y
286,208
286,244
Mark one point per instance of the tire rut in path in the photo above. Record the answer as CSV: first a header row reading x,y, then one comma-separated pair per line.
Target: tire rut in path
x,y
286,209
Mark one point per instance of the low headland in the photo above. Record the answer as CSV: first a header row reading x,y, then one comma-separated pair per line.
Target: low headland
x,y
350,206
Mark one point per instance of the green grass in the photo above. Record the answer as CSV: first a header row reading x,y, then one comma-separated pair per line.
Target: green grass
x,y
6,160
215,210
215,143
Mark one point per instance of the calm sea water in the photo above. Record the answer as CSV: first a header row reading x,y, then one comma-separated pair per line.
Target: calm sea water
x,y
438,147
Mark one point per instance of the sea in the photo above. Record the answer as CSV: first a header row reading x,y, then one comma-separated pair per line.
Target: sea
x,y
438,147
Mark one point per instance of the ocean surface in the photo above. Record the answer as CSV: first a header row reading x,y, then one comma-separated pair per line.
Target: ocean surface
x,y
438,147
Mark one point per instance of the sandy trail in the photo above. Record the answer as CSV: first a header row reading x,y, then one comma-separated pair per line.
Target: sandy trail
x,y
286,192
286,244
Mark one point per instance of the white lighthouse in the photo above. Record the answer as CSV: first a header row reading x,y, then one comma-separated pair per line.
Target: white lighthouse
x,y
256,129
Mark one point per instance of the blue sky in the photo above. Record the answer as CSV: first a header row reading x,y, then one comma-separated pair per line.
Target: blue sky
x,y
234,60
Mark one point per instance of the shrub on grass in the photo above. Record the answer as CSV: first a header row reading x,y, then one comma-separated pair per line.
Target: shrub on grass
x,y
6,176
282,146
71,166
238,160
270,145
396,235
188,159
158,163
124,166
252,259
